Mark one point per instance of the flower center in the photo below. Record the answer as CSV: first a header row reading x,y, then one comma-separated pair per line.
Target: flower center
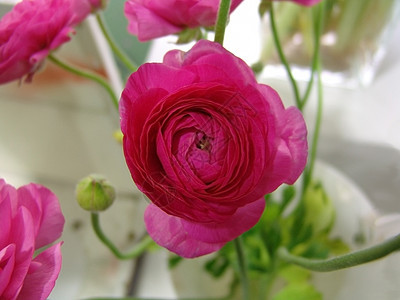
x,y
202,141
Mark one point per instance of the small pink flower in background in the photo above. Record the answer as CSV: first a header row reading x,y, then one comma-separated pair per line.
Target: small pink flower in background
x,y
33,29
30,218
205,142
152,19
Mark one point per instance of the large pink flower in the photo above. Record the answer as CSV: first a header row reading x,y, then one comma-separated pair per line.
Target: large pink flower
x,y
151,19
32,29
30,218
205,142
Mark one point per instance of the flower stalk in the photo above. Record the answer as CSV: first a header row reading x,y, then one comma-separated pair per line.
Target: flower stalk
x,y
87,74
222,20
242,268
316,67
344,261
117,50
139,249
283,58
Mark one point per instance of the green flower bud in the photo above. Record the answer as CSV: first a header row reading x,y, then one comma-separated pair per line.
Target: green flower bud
x,y
319,209
94,193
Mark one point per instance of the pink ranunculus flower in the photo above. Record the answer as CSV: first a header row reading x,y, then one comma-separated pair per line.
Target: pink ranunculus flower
x,y
30,218
152,19
205,142
32,29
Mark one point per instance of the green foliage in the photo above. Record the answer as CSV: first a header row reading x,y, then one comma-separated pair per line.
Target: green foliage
x,y
302,225
174,260
264,7
189,34
298,291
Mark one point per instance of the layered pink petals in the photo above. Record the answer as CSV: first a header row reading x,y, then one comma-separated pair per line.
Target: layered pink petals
x,y
30,218
205,142
151,19
189,239
32,30
43,273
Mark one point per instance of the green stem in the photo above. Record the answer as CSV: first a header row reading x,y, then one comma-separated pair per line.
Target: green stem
x,y
318,121
282,57
87,74
317,128
242,268
118,51
319,24
343,261
138,249
222,20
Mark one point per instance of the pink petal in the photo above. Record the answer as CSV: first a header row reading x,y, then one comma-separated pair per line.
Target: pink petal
x,y
145,23
168,232
5,218
46,213
241,221
217,61
294,139
189,239
42,275
22,236
7,263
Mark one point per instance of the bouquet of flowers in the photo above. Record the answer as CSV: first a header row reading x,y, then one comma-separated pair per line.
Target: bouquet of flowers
x,y
204,141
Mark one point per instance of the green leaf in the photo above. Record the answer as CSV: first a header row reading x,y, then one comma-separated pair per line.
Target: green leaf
x,y
189,34
288,194
257,255
319,210
217,266
298,291
295,274
316,250
337,246
173,261
264,7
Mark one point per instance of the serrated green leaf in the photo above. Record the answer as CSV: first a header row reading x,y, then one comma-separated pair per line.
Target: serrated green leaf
x,y
298,291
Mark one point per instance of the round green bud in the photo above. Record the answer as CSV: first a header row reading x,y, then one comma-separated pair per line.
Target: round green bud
x,y
320,212
94,193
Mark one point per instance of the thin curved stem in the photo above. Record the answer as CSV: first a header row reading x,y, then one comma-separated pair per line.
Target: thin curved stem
x,y
86,74
318,120
314,144
282,57
144,244
316,55
344,261
118,51
242,268
222,20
